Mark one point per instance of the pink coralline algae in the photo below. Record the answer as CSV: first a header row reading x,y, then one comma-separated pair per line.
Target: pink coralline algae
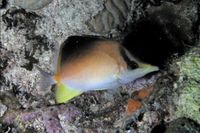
x,y
51,122
45,119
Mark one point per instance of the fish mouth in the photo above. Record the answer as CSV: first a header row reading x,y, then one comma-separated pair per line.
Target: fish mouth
x,y
148,66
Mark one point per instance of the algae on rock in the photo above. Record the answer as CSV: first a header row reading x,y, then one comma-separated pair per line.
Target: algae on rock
x,y
189,91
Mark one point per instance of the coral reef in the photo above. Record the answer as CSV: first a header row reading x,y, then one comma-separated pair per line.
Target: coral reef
x,y
173,27
20,19
113,16
1,3
175,95
30,4
135,103
179,21
3,109
44,119
33,38
188,84
183,125
92,111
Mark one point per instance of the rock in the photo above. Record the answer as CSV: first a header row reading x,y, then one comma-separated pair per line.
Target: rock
x,y
3,109
183,125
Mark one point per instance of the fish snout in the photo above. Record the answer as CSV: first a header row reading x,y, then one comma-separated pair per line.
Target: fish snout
x,y
149,67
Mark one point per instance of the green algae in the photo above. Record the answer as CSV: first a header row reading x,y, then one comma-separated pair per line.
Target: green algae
x,y
189,87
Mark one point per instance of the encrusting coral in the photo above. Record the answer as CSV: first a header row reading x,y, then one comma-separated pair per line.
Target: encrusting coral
x,y
188,85
113,16
30,4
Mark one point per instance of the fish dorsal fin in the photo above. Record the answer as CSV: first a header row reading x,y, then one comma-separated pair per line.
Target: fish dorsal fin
x,y
64,93
101,89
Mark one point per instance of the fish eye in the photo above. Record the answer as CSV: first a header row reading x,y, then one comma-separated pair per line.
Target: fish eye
x,y
132,65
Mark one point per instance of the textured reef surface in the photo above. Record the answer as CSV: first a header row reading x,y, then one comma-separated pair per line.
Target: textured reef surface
x,y
30,4
175,95
113,16
163,33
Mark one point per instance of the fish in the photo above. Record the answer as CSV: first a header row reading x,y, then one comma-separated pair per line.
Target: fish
x,y
88,63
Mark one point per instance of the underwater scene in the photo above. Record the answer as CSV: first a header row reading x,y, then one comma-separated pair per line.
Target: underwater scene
x,y
99,66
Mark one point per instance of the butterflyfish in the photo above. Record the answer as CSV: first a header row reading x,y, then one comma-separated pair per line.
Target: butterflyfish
x,y
93,63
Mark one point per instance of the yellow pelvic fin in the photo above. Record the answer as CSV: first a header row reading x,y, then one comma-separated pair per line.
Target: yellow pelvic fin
x,y
64,93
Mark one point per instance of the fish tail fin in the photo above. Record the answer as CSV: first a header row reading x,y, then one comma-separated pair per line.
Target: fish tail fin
x,y
46,79
65,93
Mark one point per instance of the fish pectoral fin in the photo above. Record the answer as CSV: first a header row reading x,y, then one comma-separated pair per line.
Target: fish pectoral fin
x,y
64,93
